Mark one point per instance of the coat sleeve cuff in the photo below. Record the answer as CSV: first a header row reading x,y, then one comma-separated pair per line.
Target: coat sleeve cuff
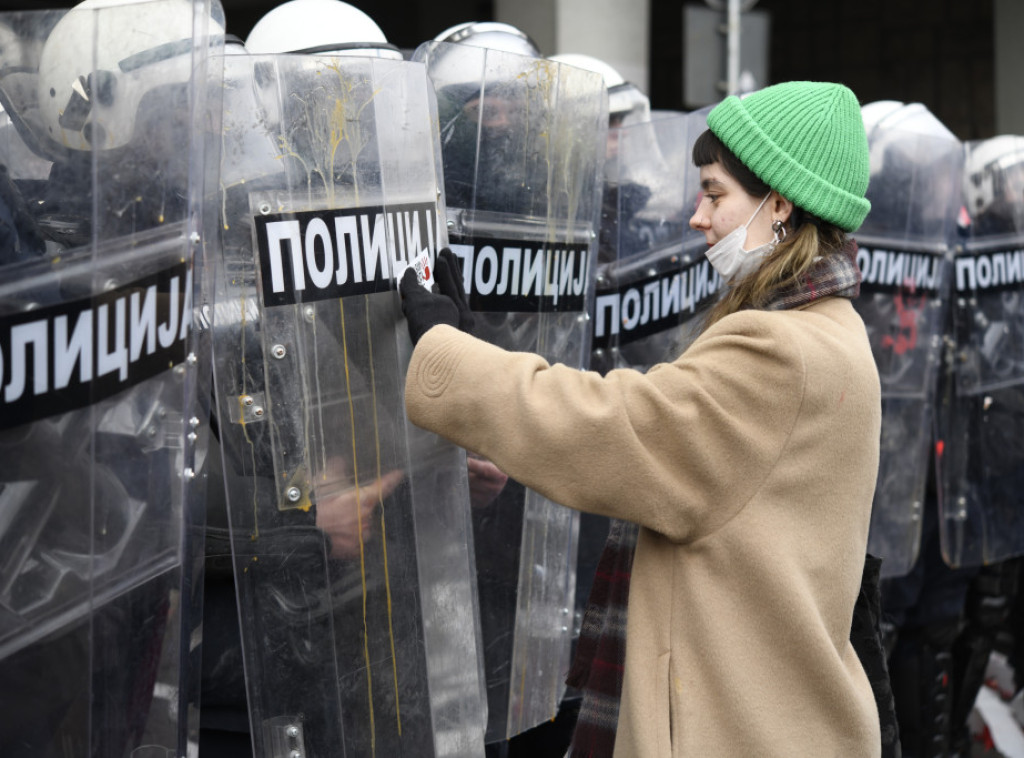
x,y
434,362
439,360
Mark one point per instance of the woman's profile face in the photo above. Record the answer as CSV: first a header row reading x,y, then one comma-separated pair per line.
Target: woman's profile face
x,y
723,205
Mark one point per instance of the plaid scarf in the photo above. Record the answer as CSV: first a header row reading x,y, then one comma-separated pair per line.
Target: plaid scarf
x,y
601,651
598,666
834,275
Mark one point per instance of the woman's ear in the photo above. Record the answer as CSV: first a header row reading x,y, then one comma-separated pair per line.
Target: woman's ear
x,y
781,208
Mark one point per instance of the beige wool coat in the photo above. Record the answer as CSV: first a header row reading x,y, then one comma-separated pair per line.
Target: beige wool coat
x,y
750,464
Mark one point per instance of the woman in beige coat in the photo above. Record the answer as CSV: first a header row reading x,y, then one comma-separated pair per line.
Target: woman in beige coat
x,y
749,462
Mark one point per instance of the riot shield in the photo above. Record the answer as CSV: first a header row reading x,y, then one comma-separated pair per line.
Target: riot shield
x,y
349,527
102,427
653,276
652,281
903,252
982,466
520,139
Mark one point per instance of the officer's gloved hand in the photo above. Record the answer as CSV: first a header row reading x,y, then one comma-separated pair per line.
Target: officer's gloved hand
x,y
446,304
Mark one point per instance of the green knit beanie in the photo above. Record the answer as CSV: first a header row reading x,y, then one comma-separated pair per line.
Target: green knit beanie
x,y
806,141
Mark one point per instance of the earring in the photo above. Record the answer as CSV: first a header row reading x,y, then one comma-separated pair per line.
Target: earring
x,y
779,230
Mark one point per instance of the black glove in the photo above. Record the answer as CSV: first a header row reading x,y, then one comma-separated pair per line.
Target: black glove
x,y
448,277
445,304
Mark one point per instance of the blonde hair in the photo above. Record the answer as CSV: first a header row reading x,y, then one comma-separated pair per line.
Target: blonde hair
x,y
788,264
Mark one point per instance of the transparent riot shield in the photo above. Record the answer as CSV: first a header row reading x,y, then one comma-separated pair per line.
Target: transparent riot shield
x,y
653,276
652,282
982,468
903,252
102,427
349,527
520,142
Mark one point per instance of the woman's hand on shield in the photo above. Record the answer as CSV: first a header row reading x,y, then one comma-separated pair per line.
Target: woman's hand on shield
x,y
445,304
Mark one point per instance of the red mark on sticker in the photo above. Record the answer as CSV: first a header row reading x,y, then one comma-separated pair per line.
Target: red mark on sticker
x,y
907,313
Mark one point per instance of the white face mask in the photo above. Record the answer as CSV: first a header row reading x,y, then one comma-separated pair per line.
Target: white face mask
x,y
728,257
